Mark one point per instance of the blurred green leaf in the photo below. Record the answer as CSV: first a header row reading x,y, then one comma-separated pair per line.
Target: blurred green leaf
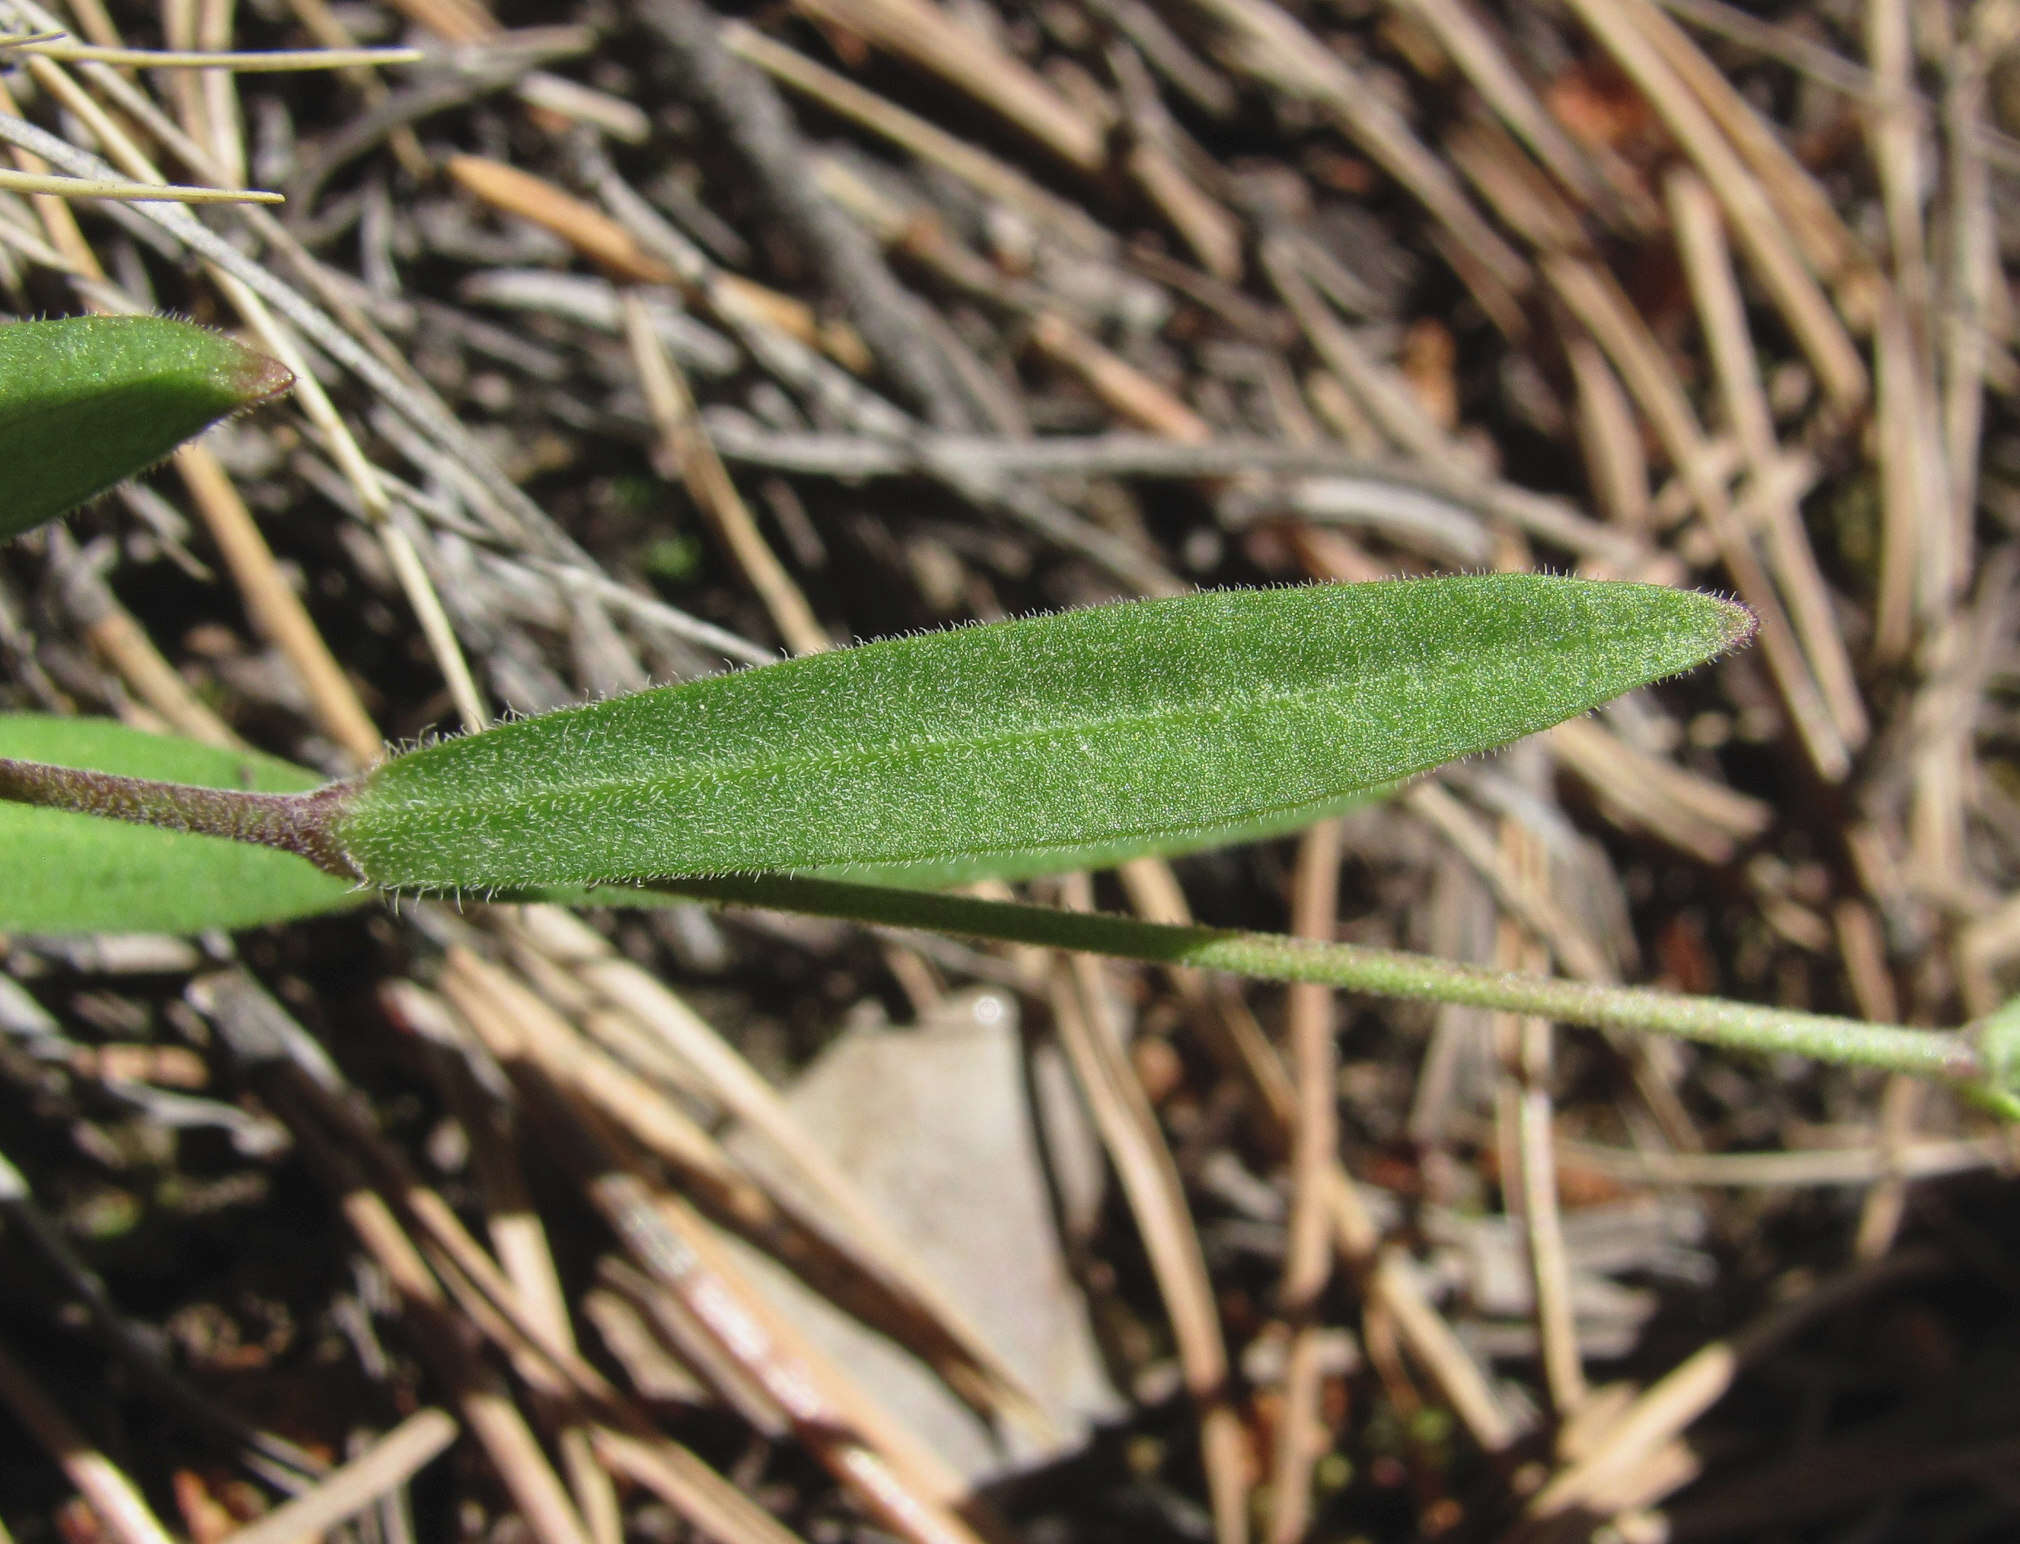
x,y
88,401
67,873
1057,742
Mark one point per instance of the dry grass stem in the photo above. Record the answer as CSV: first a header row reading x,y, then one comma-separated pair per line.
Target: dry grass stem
x,y
387,1465
687,454
1525,1109
1308,1256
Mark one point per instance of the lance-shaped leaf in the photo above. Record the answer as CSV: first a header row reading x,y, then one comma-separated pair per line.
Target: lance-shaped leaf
x,y
1020,747
88,401
65,873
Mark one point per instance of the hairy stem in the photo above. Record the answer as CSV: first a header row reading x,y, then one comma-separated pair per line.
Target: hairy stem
x,y
1950,1056
294,822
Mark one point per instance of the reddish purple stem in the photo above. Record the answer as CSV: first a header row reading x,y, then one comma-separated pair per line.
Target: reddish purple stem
x,y
300,823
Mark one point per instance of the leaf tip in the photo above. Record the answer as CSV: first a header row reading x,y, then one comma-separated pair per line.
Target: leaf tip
x,y
1737,623
257,378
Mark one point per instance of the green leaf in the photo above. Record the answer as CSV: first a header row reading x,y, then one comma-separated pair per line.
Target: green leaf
x,y
65,873
88,401
1015,748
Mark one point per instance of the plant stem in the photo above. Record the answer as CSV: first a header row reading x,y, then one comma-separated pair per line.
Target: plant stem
x,y
1950,1056
294,822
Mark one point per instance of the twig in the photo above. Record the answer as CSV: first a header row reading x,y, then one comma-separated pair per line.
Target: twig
x,y
1616,460
1813,220
1016,497
1970,292
369,488
1597,301
1702,817
721,1510
990,461
1168,54
394,113
112,630
591,233
1480,58
1391,1289
1862,1165
921,32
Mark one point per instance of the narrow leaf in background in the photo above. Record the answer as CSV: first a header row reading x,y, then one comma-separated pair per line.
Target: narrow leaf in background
x,y
1016,748
88,401
66,873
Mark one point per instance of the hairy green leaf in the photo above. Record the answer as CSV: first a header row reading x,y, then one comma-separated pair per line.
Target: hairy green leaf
x,y
65,873
87,401
1019,747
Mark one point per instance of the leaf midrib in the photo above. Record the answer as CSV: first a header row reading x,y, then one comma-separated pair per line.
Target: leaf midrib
x,y
735,770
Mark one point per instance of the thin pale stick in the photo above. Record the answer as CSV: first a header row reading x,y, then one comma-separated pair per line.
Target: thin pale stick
x,y
519,1241
1477,51
1721,311
223,115
131,192
479,1392
1639,791
119,639
712,1504
365,482
55,46
388,1464
1973,298
1811,216
1527,1105
1615,458
1848,1166
1308,1255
